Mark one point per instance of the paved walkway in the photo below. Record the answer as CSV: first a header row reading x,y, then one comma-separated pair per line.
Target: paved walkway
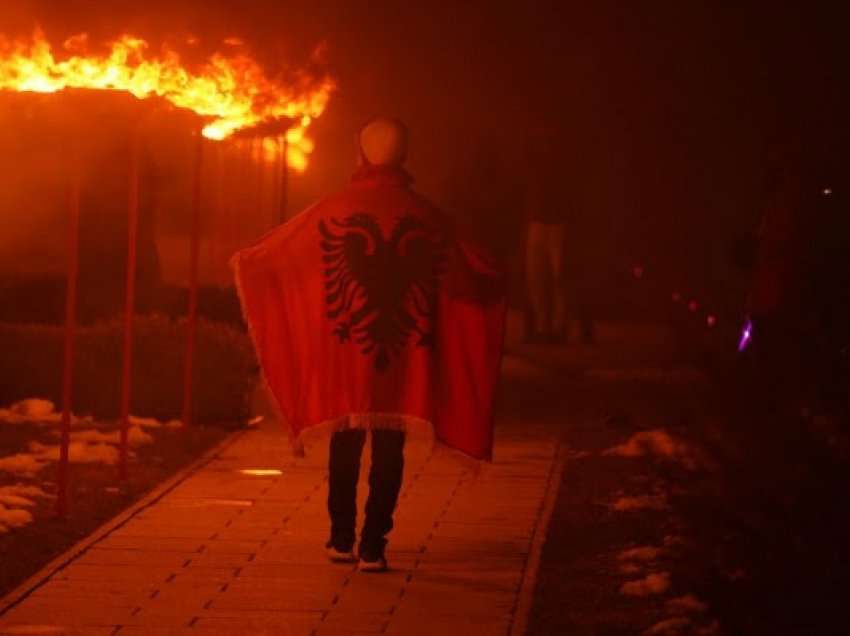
x,y
230,552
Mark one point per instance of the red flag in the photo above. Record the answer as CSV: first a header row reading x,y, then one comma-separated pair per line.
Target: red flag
x,y
367,310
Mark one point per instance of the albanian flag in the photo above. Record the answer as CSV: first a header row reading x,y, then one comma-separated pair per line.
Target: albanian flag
x,y
367,310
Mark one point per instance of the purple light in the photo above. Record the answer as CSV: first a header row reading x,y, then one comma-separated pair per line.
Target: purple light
x,y
693,306
711,321
746,336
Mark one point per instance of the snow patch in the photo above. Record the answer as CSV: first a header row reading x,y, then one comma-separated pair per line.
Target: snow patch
x,y
146,422
30,464
36,411
640,502
33,407
688,604
13,501
13,518
657,443
88,446
150,422
78,453
135,437
651,585
631,569
25,464
669,627
41,411
22,493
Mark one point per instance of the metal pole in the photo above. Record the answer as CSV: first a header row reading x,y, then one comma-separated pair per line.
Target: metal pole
x,y
129,301
284,177
73,257
261,167
218,210
192,320
275,195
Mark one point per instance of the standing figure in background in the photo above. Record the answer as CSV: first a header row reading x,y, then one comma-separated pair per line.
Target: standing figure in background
x,y
799,301
547,213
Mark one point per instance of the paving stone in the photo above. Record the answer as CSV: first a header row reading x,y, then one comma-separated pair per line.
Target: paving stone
x,y
370,593
119,577
145,630
268,601
157,529
219,560
66,612
294,623
9,629
121,558
231,546
160,544
326,580
340,621
96,589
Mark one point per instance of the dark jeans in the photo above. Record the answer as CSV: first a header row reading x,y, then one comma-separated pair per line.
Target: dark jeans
x,y
384,486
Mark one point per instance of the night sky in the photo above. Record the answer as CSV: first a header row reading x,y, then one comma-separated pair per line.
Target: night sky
x,y
662,110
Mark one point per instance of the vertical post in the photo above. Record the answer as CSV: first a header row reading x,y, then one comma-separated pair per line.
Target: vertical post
x,y
192,319
220,207
242,192
70,328
284,177
129,300
275,182
261,166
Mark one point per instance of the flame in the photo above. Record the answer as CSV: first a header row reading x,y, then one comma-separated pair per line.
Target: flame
x,y
230,89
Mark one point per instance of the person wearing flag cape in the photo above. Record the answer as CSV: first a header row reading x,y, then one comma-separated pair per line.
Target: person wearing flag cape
x,y
369,311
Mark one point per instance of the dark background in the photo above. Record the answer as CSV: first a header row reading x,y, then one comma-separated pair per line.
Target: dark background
x,y
662,111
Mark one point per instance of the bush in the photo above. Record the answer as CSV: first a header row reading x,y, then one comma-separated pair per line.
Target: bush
x,y
225,368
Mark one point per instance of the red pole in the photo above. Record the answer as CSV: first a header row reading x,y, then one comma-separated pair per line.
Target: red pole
x,y
284,178
261,167
192,321
275,195
70,327
129,301
215,251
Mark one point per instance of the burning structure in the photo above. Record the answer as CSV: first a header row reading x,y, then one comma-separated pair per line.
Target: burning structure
x,y
102,136
228,92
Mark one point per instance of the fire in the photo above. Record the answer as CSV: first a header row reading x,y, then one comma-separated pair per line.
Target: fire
x,y
230,90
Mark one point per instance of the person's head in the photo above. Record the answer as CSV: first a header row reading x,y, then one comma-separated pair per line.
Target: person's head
x,y
383,142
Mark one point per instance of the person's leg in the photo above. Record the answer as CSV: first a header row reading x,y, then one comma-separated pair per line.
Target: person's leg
x,y
384,486
343,472
555,257
536,267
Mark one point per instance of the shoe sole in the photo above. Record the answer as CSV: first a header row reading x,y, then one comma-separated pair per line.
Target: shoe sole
x,y
378,566
341,557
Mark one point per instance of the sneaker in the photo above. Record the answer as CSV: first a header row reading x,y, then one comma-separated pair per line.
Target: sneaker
x,y
372,564
340,556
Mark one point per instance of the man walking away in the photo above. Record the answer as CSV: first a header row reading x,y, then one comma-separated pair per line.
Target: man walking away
x,y
368,312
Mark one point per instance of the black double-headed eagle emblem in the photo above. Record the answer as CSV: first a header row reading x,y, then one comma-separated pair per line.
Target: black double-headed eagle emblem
x,y
381,291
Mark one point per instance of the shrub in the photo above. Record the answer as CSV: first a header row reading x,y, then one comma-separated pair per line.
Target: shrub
x,y
225,368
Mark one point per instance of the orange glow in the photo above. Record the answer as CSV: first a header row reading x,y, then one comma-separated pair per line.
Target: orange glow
x,y
230,90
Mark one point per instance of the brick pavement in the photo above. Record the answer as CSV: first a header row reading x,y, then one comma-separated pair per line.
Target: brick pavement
x,y
225,552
